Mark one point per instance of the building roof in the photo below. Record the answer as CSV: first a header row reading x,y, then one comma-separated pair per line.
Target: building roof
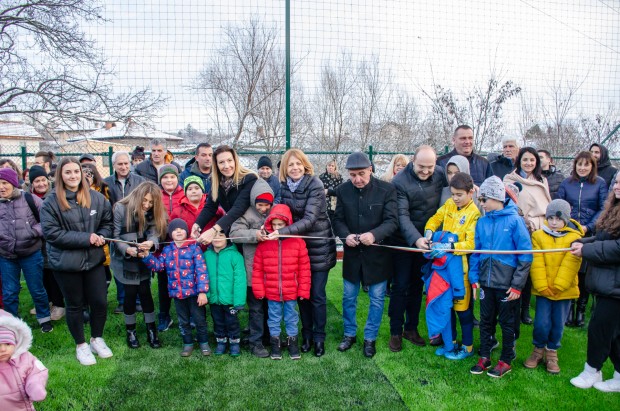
x,y
19,130
122,131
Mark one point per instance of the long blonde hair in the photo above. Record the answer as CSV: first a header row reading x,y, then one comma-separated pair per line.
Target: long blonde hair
x,y
389,173
239,174
133,208
83,192
301,156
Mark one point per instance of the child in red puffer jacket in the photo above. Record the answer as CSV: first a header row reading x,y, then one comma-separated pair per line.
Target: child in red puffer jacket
x,y
281,273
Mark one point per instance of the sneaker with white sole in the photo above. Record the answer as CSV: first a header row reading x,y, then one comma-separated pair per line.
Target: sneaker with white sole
x,y
588,377
99,347
56,313
84,355
612,385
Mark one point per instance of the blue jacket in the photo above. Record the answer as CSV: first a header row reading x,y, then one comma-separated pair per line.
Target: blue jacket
x,y
586,199
192,169
501,230
479,167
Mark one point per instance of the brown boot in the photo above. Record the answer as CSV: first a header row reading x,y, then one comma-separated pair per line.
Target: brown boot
x,y
414,337
535,358
552,362
396,343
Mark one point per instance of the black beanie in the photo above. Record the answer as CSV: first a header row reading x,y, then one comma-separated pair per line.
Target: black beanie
x,y
36,171
264,161
177,223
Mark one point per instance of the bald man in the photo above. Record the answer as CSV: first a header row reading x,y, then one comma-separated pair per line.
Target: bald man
x,y
418,188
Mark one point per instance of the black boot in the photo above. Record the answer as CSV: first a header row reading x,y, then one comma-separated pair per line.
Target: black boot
x,y
293,348
572,314
151,335
580,317
276,350
132,339
369,349
525,316
306,345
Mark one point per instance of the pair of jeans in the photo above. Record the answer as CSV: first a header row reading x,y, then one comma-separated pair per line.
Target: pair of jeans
x,y
549,322
188,308
313,312
604,333
376,293
493,306
32,267
79,287
407,287
225,324
257,318
286,309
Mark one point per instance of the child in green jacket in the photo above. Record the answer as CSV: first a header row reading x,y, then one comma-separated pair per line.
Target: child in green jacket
x,y
227,292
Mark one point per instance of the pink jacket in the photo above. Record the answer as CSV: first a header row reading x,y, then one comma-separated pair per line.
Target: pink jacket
x,y
23,378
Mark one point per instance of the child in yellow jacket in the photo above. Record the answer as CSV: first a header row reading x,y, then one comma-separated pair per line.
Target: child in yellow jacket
x,y
554,283
458,215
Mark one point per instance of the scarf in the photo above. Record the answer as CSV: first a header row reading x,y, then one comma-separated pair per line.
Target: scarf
x,y
226,184
556,234
292,185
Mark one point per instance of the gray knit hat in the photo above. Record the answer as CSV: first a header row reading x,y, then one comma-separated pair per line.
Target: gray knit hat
x,y
167,169
493,188
560,209
460,162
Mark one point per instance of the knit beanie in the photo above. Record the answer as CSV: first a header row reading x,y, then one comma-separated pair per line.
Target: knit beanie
x,y
7,336
264,198
8,174
560,209
193,180
167,169
36,172
460,162
493,188
177,223
264,161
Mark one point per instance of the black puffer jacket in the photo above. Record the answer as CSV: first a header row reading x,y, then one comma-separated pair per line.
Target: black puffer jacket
x,y
67,233
554,179
602,253
309,210
501,165
418,200
604,167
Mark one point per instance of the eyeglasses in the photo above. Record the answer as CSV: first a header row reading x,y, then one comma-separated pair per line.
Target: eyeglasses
x,y
482,199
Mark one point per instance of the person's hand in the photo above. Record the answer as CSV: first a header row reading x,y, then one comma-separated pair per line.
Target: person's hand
x,y
261,235
474,290
132,251
439,249
422,243
196,231
547,292
96,240
367,238
206,237
575,249
512,294
145,245
585,229
274,235
202,299
351,240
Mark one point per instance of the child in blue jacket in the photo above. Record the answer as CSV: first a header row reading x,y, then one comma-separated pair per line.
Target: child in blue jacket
x,y
501,277
188,284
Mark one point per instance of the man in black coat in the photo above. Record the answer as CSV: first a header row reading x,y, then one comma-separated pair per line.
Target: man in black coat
x,y
505,162
418,189
604,167
550,172
366,214
463,142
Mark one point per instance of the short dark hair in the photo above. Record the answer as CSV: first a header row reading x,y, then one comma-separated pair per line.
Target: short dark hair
x,y
546,152
462,127
462,181
202,145
48,156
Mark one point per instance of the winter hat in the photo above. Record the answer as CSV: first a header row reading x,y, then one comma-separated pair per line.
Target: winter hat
x,y
36,172
560,209
193,180
8,174
86,156
264,198
493,188
357,161
460,162
7,336
264,161
168,169
177,223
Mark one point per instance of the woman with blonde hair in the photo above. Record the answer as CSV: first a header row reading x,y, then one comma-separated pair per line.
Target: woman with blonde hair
x,y
331,179
399,161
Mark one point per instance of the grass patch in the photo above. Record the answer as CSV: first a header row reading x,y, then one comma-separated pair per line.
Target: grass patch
x,y
412,379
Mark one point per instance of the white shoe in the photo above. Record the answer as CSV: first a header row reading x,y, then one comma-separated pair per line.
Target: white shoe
x,y
99,347
84,356
56,313
588,377
612,385
33,311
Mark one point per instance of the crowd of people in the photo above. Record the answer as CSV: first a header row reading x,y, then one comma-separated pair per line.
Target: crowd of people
x,y
216,234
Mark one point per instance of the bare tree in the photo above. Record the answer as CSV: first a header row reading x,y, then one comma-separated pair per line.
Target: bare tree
x,y
52,72
557,105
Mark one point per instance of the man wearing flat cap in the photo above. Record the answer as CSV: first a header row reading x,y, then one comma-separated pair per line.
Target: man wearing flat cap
x,y
366,214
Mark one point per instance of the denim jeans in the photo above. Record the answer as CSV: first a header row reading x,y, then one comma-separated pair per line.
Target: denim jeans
x,y
32,267
120,291
224,323
278,309
376,293
549,322
188,308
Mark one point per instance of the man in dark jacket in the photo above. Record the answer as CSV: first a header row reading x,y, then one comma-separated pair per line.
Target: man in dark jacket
x,y
366,214
550,172
265,171
148,168
200,166
604,167
463,141
504,163
418,189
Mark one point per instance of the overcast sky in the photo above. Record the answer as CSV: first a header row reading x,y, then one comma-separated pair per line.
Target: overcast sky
x,y
165,43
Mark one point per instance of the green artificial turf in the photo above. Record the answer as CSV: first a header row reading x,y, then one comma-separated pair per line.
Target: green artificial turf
x,y
147,379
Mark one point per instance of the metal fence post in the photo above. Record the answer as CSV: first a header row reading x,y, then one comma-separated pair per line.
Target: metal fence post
x,y
370,153
110,153
24,158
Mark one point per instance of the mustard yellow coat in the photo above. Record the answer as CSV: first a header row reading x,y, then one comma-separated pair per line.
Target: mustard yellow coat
x,y
554,275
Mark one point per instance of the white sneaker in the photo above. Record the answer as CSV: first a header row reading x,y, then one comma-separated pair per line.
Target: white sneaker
x,y
588,377
84,356
56,313
99,347
612,385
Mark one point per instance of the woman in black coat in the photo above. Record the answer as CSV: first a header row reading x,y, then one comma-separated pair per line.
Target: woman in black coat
x,y
602,253
75,220
304,193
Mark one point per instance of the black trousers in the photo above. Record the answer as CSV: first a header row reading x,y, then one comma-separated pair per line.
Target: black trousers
x,y
80,287
258,318
162,290
131,295
407,287
52,288
604,333
493,307
224,323
313,312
